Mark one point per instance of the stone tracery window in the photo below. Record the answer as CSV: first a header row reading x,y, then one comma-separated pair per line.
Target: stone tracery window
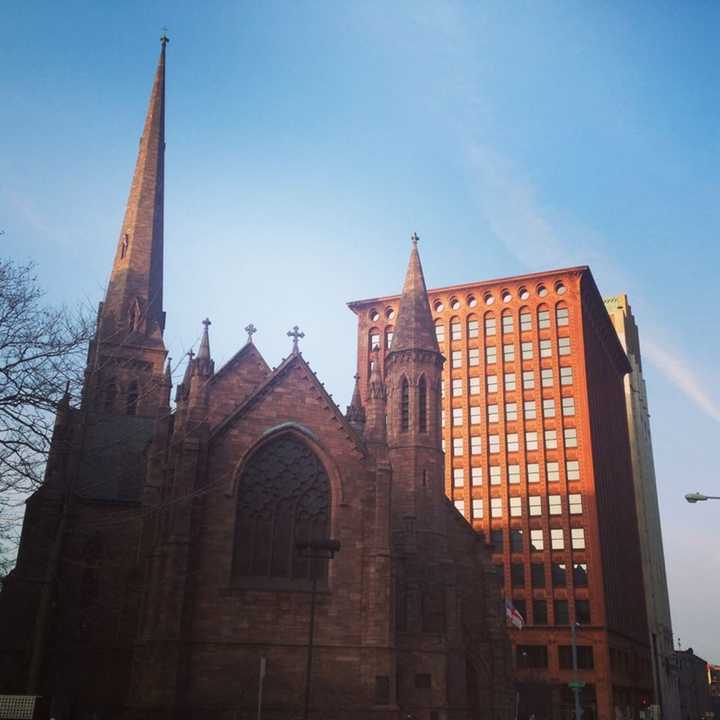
x,y
283,497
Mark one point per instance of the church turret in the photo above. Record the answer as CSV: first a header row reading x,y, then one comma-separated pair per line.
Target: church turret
x,y
412,375
126,359
355,411
375,404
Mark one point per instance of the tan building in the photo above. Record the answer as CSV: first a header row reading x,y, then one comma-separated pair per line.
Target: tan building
x,y
648,513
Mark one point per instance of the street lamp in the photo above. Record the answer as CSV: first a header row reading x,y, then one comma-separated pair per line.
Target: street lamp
x,y
699,497
324,549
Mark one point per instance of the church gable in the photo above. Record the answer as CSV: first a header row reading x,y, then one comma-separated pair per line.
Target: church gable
x,y
293,394
236,381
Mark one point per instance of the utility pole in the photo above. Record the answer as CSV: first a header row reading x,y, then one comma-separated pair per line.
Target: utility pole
x,y
575,684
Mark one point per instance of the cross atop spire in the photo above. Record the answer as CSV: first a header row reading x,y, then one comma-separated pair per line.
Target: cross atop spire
x,y
295,334
137,272
250,330
204,349
164,40
414,328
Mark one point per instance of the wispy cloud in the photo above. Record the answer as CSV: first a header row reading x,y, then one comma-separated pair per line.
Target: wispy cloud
x,y
675,369
541,237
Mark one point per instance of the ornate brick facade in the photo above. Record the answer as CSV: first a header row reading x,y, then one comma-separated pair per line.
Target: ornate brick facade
x,y
158,562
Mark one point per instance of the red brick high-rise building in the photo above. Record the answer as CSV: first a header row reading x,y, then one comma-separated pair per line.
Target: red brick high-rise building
x,y
159,568
537,458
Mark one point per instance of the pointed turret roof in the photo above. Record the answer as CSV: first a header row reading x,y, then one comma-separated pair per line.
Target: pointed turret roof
x,y
137,273
204,349
414,328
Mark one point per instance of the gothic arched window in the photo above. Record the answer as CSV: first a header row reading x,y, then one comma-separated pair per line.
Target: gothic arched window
x,y
283,498
422,405
110,395
132,398
404,405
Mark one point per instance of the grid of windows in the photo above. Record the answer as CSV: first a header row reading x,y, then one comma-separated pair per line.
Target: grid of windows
x,y
513,474
491,355
553,471
566,376
535,506
457,446
575,503
455,330
477,508
509,381
493,413
458,477
530,411
570,437
516,540
549,408
511,411
564,346
568,406
533,472
555,504
537,572
473,328
557,539
562,315
525,321
492,384
550,439
476,475
580,575
559,574
473,357
475,445
457,416
512,442
546,377
577,538
456,359
527,351
475,417
497,539
474,386
440,332
457,386
545,349
493,444
517,575
561,612
489,325
460,506
543,319
496,507
536,540
509,352
531,441
572,468
494,474
528,379
507,322
515,507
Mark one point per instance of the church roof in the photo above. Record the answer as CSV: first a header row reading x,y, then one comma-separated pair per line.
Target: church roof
x,y
414,329
295,359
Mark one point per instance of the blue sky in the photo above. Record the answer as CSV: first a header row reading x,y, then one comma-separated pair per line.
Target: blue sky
x,y
307,140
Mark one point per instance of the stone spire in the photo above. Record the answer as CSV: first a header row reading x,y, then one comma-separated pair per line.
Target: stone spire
x,y
203,364
135,292
414,329
375,405
355,412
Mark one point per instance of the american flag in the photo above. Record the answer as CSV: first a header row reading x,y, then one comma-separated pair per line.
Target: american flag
x,y
512,615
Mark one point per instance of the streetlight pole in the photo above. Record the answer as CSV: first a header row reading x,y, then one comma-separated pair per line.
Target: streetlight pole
x,y
575,684
699,497
314,550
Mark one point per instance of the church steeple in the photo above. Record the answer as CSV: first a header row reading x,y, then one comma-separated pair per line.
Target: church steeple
x,y
134,297
414,329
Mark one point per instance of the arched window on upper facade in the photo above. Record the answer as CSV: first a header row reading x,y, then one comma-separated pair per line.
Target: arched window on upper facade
x,y
422,405
283,498
373,339
507,322
404,405
439,331
110,396
562,314
388,336
132,398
